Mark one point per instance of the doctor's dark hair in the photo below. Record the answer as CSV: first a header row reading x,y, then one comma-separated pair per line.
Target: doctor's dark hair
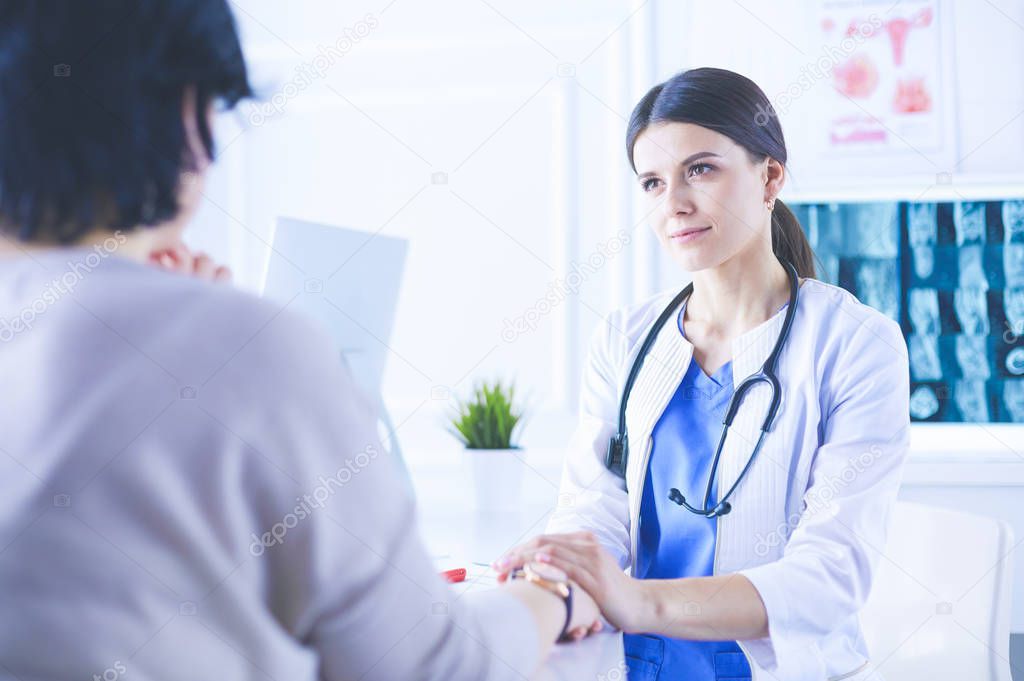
x,y
736,107
91,109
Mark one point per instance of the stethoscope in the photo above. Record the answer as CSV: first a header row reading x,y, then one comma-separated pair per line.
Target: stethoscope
x,y
618,448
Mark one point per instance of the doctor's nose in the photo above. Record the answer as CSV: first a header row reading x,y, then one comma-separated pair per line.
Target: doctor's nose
x,y
678,202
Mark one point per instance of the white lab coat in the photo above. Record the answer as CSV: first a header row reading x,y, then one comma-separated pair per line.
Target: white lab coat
x,y
816,503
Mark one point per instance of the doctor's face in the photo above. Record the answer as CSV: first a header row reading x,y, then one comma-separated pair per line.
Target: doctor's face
x,y
705,197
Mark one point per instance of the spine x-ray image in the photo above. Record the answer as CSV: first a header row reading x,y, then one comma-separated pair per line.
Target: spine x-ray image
x,y
952,275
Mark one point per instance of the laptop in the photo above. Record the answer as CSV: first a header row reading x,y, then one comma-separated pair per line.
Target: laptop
x,y
348,281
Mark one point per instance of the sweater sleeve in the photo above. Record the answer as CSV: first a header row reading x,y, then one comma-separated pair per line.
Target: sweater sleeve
x,y
345,570
825,573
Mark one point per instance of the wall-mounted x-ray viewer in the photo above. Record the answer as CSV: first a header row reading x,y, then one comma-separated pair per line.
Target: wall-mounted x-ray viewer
x,y
348,281
952,275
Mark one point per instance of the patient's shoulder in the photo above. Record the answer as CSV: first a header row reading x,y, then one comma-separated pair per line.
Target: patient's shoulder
x,y
193,330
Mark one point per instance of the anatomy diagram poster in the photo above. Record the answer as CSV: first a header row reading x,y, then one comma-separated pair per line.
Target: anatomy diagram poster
x,y
891,78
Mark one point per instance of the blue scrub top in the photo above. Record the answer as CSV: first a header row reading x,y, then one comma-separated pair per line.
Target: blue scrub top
x,y
675,543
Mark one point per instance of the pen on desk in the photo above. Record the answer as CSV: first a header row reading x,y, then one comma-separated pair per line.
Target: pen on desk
x,y
456,575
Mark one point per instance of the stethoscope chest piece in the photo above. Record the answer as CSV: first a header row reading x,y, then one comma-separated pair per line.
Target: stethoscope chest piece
x,y
615,457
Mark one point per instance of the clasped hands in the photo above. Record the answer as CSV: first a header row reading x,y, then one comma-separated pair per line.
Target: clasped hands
x,y
601,584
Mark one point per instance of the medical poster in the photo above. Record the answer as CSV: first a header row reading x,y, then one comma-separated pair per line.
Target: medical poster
x,y
889,85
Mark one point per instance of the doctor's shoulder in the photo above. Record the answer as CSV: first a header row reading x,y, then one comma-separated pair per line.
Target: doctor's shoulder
x,y
842,309
616,338
849,331
624,328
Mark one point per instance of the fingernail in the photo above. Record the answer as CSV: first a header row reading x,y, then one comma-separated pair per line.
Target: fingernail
x,y
543,557
503,561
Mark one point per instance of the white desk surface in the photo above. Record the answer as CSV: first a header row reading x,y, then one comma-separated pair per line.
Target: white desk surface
x,y
460,535
596,658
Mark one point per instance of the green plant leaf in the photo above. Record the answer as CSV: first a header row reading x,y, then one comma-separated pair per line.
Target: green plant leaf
x,y
489,419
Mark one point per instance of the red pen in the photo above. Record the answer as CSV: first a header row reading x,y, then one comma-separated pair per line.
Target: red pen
x,y
456,575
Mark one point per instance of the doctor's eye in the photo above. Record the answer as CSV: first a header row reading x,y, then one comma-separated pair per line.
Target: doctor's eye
x,y
707,167
649,184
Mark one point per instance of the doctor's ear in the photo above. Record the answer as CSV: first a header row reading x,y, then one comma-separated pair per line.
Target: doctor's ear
x,y
774,176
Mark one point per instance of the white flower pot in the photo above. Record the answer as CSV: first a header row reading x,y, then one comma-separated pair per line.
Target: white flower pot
x,y
497,478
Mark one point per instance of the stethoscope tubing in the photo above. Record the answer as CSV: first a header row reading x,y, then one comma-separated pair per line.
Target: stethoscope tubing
x,y
617,456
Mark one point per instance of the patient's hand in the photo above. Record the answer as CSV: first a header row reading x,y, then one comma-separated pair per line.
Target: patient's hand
x,y
622,599
195,264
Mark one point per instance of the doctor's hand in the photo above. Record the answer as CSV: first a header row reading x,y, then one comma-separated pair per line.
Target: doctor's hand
x,y
182,260
620,597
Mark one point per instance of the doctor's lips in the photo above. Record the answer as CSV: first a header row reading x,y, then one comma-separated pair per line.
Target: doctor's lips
x,y
688,234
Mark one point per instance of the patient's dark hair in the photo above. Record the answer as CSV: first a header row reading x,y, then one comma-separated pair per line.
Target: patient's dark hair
x,y
91,101
734,106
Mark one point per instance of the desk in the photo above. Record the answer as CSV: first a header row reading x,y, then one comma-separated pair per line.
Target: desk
x,y
460,534
596,658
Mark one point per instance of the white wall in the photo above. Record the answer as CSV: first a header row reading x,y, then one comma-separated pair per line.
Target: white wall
x,y
522,107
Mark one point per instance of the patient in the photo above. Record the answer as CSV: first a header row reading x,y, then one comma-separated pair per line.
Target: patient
x,y
190,486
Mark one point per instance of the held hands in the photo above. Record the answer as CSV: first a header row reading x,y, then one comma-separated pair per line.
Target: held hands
x,y
622,599
182,260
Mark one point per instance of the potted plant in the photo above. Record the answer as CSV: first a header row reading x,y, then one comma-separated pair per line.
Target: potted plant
x,y
487,424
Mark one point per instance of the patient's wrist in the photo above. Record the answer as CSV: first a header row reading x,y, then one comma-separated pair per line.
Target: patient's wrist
x,y
555,582
547,608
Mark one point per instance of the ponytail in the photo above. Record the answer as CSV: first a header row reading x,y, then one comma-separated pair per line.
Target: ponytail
x,y
789,241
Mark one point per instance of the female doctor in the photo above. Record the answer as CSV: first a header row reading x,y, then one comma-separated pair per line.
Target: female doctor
x,y
745,550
